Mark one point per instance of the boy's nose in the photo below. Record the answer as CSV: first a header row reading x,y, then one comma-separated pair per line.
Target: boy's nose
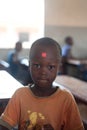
x,y
44,70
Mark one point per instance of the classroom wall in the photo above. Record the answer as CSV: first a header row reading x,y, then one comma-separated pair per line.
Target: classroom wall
x,y
67,17
79,49
62,18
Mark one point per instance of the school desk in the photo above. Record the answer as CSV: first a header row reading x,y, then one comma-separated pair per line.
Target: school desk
x,y
75,67
8,85
77,87
77,62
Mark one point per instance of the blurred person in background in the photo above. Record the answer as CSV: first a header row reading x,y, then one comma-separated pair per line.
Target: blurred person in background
x,y
66,53
14,60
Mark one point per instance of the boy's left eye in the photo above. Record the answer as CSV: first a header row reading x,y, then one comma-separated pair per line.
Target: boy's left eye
x,y
51,67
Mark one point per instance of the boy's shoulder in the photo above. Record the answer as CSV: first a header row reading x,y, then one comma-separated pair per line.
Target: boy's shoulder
x,y
23,88
65,93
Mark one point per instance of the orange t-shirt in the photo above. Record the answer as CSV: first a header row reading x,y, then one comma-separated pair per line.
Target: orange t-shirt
x,y
27,110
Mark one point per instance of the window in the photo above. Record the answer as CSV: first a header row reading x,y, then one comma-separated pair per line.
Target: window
x,y
24,36
21,19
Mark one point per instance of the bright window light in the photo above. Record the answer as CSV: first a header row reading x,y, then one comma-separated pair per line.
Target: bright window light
x,y
20,16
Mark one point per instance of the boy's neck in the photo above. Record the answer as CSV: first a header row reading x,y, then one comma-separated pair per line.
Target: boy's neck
x,y
41,92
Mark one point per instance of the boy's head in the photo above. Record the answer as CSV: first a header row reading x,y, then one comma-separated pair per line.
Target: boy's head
x,y
44,44
18,46
69,40
45,55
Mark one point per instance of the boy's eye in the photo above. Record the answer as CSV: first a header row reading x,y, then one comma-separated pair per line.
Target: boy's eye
x,y
51,67
37,66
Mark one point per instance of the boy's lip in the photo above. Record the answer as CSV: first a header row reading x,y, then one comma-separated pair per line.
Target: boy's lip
x,y
43,79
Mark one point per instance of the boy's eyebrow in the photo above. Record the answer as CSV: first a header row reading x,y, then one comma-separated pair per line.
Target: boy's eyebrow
x,y
43,54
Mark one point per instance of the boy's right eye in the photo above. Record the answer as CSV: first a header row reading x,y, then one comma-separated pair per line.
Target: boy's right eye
x,y
37,66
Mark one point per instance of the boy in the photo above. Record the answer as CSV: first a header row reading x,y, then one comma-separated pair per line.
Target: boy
x,y
42,106
14,60
66,53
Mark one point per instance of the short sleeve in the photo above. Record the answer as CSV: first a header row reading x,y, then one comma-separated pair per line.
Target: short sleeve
x,y
12,112
72,116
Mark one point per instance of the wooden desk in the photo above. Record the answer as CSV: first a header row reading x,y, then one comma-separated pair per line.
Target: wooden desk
x,y
74,62
77,68
8,85
4,65
77,87
77,61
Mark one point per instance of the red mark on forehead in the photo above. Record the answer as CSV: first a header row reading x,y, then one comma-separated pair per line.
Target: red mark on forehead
x,y
44,54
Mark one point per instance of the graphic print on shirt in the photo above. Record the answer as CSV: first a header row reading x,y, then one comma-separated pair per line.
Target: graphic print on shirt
x,y
36,120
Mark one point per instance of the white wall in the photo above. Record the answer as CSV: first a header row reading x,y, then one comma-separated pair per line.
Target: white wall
x,y
67,17
66,12
62,18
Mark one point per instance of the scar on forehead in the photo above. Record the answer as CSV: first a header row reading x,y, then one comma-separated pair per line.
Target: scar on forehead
x,y
44,54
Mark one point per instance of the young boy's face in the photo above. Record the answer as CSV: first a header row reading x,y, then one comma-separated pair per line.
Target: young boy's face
x,y
44,66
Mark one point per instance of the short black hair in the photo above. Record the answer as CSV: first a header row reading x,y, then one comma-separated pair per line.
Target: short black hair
x,y
18,42
46,41
68,38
